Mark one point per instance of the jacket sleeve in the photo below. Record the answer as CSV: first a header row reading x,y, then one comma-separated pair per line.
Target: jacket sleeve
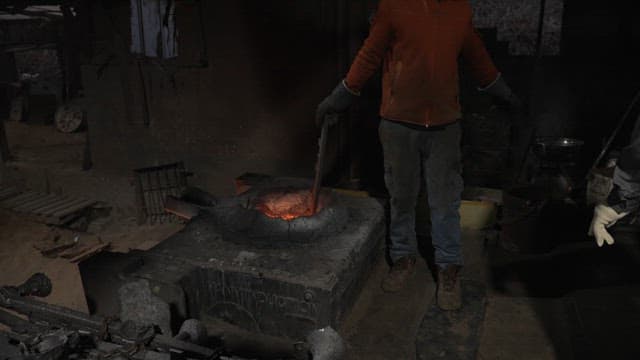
x,y
477,58
625,196
373,50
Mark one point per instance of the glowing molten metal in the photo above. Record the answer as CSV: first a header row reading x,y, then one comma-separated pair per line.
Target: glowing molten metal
x,y
285,205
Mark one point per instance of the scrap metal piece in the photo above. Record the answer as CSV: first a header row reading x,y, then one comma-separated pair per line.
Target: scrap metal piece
x,y
58,317
36,285
69,118
326,344
153,186
192,330
53,343
140,305
8,350
181,209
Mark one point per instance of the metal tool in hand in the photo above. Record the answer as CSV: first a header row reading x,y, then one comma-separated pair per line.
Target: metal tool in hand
x,y
322,145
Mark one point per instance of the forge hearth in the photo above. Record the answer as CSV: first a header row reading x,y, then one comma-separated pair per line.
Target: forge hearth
x,y
265,274
286,204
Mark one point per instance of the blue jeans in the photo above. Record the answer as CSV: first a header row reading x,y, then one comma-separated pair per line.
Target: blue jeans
x,y
437,152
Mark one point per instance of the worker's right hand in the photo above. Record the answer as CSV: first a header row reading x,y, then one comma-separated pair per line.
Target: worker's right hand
x,y
338,101
604,217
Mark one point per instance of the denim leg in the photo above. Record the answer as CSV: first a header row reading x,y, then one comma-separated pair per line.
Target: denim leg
x,y
442,168
402,176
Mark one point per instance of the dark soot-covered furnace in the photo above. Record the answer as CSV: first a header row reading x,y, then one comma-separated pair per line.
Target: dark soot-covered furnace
x,y
265,274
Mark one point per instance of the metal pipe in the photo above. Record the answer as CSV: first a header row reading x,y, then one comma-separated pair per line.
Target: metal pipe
x,y
317,182
539,39
631,106
530,129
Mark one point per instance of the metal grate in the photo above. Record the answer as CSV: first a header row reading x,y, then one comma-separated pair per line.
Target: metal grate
x,y
153,186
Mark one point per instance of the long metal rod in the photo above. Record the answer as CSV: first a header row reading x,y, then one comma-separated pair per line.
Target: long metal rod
x,y
621,122
143,46
540,35
317,182
530,129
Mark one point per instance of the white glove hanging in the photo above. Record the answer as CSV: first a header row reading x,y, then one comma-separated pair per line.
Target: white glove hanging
x,y
604,217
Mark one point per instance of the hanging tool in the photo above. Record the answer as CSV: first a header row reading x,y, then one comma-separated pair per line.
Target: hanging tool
x,y
322,145
614,134
529,129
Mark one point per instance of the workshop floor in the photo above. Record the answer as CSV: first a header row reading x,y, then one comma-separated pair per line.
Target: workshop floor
x,y
383,326
46,160
516,325
380,326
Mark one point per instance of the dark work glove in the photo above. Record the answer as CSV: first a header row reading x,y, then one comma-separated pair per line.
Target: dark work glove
x,y
338,101
503,92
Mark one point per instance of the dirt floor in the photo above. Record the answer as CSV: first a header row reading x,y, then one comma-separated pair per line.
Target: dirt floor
x,y
380,325
48,161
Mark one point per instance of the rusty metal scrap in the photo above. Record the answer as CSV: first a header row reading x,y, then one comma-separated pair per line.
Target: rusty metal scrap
x,y
153,186
54,330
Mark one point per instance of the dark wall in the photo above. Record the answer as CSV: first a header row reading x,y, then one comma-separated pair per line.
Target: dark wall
x,y
580,93
250,108
602,53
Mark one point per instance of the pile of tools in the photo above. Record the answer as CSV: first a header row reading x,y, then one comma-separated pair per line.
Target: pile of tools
x,y
34,330
37,330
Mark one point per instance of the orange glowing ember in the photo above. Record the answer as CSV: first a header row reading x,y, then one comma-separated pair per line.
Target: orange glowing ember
x,y
285,205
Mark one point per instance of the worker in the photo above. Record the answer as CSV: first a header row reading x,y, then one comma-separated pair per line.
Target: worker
x,y
624,198
418,43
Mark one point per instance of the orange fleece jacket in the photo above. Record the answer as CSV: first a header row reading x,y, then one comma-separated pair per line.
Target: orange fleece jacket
x,y
419,43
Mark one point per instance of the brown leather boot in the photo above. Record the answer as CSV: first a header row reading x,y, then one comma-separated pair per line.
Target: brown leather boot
x,y
448,294
400,272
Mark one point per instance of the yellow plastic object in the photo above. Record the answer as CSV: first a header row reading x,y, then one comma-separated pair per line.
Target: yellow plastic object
x,y
356,193
476,215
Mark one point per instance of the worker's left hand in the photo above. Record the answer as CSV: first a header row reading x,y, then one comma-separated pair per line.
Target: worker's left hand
x,y
604,217
503,93
519,111
516,105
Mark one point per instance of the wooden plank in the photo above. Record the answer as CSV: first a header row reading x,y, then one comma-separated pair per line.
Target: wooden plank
x,y
7,191
25,200
44,208
18,200
180,208
9,194
13,198
34,204
49,220
53,251
22,194
73,208
62,206
89,252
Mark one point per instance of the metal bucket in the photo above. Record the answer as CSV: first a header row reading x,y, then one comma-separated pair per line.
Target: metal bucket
x,y
557,149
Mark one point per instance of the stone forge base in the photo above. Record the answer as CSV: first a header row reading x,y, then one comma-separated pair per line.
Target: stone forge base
x,y
267,275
